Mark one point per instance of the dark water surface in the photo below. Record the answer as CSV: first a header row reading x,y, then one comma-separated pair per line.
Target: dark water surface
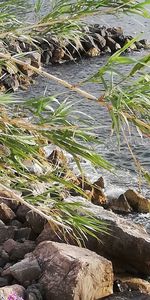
x,y
76,72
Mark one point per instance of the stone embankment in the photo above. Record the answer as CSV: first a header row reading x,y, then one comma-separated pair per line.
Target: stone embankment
x,y
96,40
36,263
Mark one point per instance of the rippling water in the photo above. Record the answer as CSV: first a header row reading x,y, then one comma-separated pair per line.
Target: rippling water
x,y
75,72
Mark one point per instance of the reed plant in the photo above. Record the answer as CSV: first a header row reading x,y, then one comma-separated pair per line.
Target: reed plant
x,y
28,126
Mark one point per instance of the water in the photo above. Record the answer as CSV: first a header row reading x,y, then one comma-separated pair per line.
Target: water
x,y
76,72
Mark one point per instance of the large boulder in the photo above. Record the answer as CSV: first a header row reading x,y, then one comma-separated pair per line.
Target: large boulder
x,y
73,273
127,243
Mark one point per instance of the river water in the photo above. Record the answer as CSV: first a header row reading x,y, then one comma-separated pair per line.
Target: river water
x,y
125,175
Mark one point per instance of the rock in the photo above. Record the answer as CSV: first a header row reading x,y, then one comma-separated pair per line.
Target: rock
x,y
9,245
35,221
132,46
3,281
115,30
102,31
128,296
137,201
15,223
125,241
6,214
15,289
99,41
21,212
22,234
139,45
5,198
112,44
119,286
58,55
93,51
98,197
70,272
33,292
93,191
4,258
120,39
18,250
99,183
145,43
6,232
83,183
136,284
47,234
107,50
120,205
2,225
27,269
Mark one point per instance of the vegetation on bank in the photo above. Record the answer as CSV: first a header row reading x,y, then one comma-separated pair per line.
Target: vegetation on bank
x,y
29,127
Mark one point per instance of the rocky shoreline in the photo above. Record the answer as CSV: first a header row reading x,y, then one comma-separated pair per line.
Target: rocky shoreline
x,y
95,40
36,263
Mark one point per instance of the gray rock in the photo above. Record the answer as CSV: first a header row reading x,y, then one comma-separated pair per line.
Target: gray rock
x,y
4,281
4,258
27,269
22,234
18,250
21,212
6,232
33,292
35,221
